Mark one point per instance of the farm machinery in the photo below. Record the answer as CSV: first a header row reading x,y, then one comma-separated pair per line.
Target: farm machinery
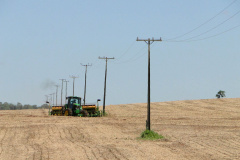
x,y
74,108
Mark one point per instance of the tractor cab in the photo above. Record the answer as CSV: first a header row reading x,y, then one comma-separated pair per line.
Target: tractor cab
x,y
73,107
74,102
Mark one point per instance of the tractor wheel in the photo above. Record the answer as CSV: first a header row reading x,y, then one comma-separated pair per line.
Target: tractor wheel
x,y
70,112
84,113
66,113
63,111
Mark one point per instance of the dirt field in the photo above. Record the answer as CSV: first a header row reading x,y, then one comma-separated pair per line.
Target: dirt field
x,y
194,130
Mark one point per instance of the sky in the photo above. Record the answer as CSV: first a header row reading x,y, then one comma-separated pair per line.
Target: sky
x,y
42,41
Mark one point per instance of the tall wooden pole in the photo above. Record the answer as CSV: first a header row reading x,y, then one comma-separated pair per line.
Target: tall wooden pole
x,y
66,90
149,42
104,97
73,77
62,89
85,86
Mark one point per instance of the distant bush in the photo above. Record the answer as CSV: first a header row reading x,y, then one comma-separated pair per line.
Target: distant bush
x,y
10,106
150,135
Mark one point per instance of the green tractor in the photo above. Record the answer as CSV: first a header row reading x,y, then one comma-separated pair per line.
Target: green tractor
x,y
74,108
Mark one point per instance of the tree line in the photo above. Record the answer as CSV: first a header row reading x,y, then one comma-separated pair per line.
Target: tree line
x,y
18,106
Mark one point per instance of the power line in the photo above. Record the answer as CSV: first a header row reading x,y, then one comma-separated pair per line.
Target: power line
x,y
133,57
190,39
204,22
212,28
209,36
136,56
123,54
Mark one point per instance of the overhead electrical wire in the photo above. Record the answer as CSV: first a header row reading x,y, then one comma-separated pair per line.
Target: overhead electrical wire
x,y
204,22
123,54
133,57
211,28
136,57
209,36
218,33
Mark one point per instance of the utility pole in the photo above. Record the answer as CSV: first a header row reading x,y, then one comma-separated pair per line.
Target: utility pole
x,y
66,89
73,77
53,94
149,42
62,89
86,65
56,92
104,98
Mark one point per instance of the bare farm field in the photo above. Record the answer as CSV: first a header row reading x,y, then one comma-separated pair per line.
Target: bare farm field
x,y
193,130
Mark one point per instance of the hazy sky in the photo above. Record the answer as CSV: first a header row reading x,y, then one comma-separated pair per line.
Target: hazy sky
x,y
42,41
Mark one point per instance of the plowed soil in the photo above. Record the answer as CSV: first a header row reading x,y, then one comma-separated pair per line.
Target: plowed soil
x,y
193,129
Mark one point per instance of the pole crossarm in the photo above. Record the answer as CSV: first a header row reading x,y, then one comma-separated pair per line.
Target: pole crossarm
x,y
106,58
146,40
86,64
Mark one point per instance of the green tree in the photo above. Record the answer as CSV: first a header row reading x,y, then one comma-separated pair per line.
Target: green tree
x,y
11,106
34,107
5,106
220,94
44,106
27,106
19,106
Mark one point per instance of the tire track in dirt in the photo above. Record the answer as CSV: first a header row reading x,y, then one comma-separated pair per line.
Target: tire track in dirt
x,y
235,142
25,141
30,138
110,152
48,134
84,142
207,146
225,149
184,150
87,151
77,138
65,140
188,146
118,153
9,143
3,133
43,132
